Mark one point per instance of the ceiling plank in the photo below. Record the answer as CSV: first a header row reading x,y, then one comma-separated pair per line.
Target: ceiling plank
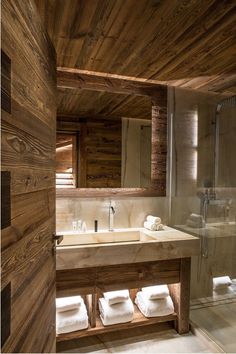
x,y
96,81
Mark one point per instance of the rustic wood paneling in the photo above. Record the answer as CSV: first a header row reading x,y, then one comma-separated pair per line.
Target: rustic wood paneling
x,y
95,81
5,82
28,153
182,43
159,143
99,152
87,103
117,277
103,153
5,199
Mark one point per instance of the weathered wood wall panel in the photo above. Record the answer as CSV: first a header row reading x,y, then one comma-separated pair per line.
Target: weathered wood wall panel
x,y
103,152
99,151
159,143
28,153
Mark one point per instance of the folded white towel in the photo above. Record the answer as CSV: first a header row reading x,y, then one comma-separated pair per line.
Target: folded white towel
x,y
153,227
72,320
154,308
156,292
68,303
115,297
222,292
195,224
118,313
154,219
221,282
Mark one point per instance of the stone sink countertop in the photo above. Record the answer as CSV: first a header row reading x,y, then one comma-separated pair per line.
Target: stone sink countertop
x,y
166,244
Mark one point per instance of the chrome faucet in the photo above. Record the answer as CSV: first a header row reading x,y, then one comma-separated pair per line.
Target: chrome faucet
x,y
208,195
111,216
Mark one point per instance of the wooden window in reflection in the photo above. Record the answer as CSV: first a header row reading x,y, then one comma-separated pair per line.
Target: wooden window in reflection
x,y
66,160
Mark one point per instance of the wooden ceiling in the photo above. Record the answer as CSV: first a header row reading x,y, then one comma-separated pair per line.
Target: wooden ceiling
x,y
83,103
185,43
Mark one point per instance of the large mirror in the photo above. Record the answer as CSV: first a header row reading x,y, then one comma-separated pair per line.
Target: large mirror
x,y
104,153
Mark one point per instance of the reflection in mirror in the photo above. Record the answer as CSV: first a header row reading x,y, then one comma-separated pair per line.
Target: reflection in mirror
x,y
105,153
136,153
66,160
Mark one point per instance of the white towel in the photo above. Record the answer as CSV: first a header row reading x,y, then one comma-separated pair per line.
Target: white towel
x,y
195,224
115,297
156,292
153,227
68,303
196,217
154,308
221,282
72,320
154,219
118,313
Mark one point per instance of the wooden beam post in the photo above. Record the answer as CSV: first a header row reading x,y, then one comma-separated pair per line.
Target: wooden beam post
x,y
180,294
159,142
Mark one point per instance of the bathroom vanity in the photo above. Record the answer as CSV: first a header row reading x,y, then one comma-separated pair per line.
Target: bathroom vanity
x,y
91,263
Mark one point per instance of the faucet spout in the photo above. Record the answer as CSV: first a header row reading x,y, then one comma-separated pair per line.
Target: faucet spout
x,y
111,217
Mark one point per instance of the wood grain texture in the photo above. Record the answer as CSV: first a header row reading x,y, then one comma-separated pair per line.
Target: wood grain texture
x,y
159,143
87,103
117,277
180,294
28,153
95,81
185,43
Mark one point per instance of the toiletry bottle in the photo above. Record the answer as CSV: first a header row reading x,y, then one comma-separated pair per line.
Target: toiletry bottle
x,y
79,225
84,227
74,225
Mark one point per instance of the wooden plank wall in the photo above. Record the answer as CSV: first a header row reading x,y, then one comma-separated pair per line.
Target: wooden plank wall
x,y
28,153
103,153
99,150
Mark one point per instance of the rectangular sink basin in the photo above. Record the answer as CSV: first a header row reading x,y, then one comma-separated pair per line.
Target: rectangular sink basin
x,y
76,239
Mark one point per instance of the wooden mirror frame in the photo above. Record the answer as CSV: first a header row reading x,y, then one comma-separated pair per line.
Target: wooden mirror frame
x,y
158,97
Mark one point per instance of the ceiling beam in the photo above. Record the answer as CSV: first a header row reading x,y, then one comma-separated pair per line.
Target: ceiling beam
x,y
97,81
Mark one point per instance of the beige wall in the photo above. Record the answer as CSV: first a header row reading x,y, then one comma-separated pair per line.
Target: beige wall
x,y
130,212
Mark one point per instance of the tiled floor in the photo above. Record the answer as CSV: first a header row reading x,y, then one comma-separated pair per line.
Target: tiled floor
x,y
150,339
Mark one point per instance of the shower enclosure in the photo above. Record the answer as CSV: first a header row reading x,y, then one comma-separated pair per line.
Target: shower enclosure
x,y
202,181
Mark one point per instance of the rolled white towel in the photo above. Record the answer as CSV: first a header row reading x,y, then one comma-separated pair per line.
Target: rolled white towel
x,y
221,282
72,320
154,308
115,297
68,303
118,313
156,292
153,227
153,219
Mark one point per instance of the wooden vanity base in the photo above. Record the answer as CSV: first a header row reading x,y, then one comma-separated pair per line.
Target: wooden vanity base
x,y
91,282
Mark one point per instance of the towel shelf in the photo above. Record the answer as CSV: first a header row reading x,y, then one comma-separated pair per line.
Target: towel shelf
x,y
139,320
91,282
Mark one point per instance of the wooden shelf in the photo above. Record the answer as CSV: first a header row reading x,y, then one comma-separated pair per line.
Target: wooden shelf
x,y
139,320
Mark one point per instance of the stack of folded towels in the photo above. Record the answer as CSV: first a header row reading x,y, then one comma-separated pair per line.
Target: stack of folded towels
x,y
154,301
153,223
116,307
222,286
195,221
71,314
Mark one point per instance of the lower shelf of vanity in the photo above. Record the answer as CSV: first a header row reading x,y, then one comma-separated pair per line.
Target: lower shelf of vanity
x,y
139,320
